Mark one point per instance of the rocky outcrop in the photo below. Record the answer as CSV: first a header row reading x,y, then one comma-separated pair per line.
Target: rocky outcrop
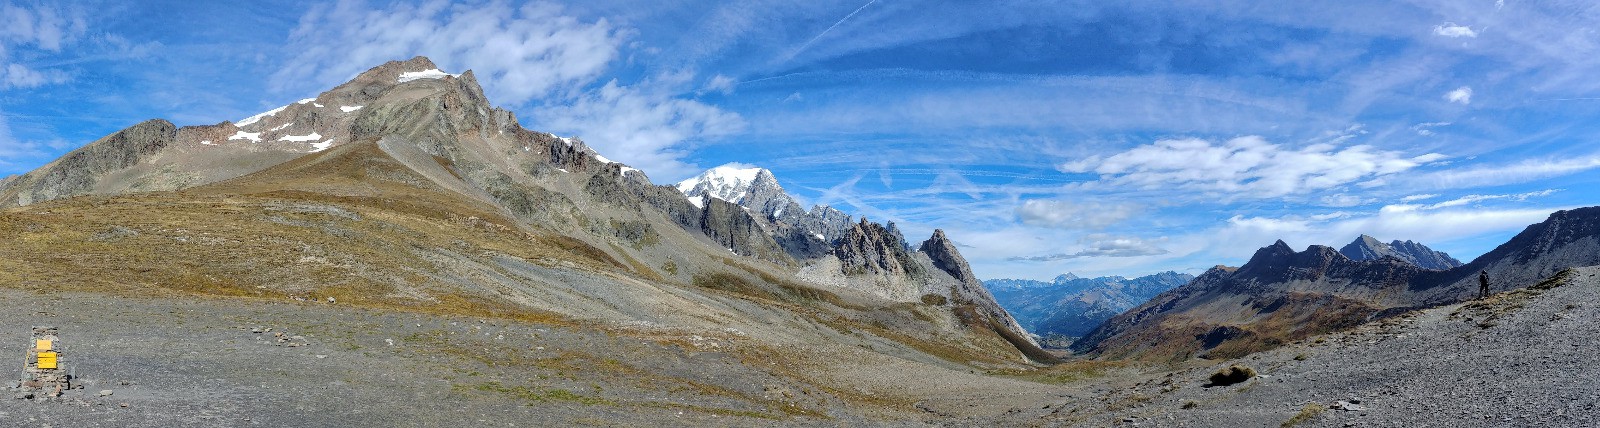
x,y
969,293
1369,248
899,236
944,255
81,171
733,228
869,249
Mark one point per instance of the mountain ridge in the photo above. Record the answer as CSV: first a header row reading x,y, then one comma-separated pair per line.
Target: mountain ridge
x,y
564,226
1282,295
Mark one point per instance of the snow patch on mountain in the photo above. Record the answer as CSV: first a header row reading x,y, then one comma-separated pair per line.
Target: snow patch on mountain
x,y
320,146
728,182
257,118
348,109
301,138
425,74
254,137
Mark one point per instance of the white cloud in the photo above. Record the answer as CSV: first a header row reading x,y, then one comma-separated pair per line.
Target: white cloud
x,y
1342,200
519,54
1462,95
1414,198
641,126
41,27
20,76
1494,175
721,83
1450,29
1244,166
1469,199
1060,214
1104,247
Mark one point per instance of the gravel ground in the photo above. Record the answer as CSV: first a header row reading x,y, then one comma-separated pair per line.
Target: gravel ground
x,y
198,362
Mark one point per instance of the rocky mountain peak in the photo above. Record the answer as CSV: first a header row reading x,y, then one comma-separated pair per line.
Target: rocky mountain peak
x,y
1064,277
803,234
1368,248
899,237
868,248
945,257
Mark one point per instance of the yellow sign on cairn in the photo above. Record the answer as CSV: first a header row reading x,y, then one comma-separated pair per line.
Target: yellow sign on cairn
x,y
47,360
42,345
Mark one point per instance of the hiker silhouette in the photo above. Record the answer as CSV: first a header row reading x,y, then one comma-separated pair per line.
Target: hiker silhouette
x,y
1483,284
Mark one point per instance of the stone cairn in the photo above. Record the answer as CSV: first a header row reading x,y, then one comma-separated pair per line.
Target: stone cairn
x,y
43,374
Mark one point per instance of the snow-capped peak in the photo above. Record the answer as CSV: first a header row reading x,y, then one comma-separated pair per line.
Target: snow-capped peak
x,y
728,182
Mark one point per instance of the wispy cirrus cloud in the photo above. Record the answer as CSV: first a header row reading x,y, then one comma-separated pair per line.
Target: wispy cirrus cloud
x,y
1470,199
1498,174
1248,167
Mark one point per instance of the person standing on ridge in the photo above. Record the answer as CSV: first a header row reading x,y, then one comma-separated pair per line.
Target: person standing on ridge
x,y
1483,284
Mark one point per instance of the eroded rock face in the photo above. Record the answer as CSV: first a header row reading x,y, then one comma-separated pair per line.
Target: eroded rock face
x,y
945,257
80,171
729,225
869,248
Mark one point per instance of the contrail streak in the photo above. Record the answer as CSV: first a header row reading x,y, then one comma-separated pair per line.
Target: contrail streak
x,y
808,43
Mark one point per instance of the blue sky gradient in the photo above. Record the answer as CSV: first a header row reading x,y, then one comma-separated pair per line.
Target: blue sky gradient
x,y
1100,138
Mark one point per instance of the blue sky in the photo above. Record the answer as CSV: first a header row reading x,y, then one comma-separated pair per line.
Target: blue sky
x,y
1044,137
